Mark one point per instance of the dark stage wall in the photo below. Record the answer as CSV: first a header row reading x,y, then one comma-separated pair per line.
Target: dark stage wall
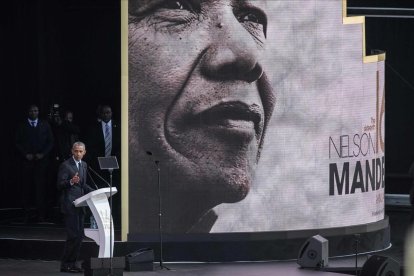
x,y
68,52
389,26
65,52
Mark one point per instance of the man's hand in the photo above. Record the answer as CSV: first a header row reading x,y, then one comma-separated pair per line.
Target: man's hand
x,y
75,179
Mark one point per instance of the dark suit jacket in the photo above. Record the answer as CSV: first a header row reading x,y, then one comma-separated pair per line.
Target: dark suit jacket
x,y
95,143
30,140
70,193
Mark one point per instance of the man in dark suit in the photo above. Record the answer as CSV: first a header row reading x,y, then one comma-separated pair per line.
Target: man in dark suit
x,y
104,139
71,182
34,141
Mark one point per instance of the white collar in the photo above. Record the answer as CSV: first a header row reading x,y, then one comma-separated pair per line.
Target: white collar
x,y
109,123
76,162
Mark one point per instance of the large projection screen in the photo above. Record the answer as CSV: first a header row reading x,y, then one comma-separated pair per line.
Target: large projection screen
x,y
252,116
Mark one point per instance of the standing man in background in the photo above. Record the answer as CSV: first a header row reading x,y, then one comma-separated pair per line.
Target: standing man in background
x,y
67,134
104,139
34,141
71,182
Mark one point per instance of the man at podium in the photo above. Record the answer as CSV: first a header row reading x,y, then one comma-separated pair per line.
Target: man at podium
x,y
71,182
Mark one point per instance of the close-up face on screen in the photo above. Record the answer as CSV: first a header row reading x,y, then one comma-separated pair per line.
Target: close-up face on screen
x,y
251,116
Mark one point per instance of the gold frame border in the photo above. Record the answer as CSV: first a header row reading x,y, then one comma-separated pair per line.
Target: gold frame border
x,y
360,20
124,121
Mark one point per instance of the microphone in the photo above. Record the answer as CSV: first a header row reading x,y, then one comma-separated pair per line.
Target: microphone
x,y
90,176
100,177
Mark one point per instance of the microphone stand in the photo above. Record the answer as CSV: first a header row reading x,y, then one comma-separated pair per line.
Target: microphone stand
x,y
357,236
100,177
110,224
92,221
90,176
157,163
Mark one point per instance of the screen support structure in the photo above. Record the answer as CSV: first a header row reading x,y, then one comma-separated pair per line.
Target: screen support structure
x,y
157,163
109,163
357,239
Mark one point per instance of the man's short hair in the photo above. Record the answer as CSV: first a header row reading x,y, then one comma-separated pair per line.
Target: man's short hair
x,y
79,144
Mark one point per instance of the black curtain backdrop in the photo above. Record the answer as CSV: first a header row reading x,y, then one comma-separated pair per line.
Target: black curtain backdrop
x,y
68,52
389,27
396,36
65,52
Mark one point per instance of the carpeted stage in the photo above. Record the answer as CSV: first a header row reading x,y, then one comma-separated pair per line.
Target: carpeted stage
x,y
34,249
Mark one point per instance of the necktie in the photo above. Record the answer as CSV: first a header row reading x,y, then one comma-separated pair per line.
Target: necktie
x,y
79,164
33,123
108,140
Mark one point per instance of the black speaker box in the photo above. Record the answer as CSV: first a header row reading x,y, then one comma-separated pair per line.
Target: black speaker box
x,y
378,265
102,266
140,260
314,253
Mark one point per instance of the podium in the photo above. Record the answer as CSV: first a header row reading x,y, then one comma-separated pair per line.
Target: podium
x,y
98,203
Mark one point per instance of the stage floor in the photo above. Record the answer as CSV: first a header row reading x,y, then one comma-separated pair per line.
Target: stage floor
x,y
9,267
398,218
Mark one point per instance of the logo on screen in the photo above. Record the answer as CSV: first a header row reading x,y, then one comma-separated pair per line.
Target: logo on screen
x,y
361,155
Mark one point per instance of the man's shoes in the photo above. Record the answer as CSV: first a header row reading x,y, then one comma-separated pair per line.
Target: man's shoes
x,y
71,269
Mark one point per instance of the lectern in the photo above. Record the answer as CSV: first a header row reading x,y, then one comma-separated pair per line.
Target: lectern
x,y
98,203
